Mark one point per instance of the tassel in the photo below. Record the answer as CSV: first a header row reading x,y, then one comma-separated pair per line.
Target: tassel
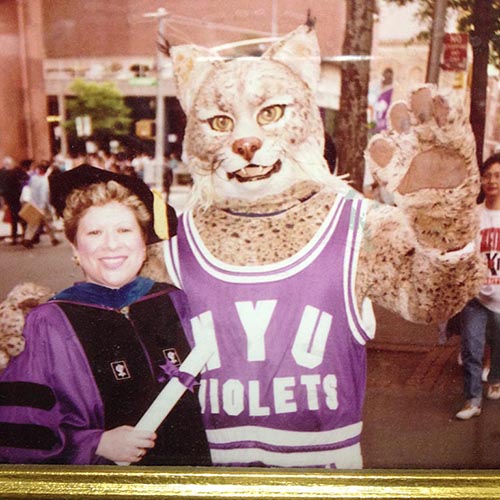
x,y
160,222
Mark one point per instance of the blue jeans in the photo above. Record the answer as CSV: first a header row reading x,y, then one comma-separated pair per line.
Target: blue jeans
x,y
477,323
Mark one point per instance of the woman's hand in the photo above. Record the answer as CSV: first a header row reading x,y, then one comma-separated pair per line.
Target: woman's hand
x,y
125,444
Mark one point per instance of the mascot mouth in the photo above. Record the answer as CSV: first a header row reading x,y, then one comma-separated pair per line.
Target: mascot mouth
x,y
253,172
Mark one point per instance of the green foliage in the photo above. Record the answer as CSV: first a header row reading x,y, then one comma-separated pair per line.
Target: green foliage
x,y
465,10
466,24
105,106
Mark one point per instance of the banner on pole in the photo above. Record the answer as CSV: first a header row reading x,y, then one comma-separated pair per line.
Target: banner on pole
x,y
455,52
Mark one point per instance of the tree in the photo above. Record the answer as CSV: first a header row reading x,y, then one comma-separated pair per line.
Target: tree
x,y
481,19
105,106
351,131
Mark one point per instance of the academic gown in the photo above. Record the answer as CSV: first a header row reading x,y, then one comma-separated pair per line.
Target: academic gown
x,y
95,359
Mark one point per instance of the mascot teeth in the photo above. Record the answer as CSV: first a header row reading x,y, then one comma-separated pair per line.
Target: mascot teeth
x,y
252,172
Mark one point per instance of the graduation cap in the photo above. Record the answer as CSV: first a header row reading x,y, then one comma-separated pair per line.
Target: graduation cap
x,y
163,218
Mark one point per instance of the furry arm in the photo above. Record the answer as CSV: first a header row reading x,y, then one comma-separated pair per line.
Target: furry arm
x,y
419,258
421,284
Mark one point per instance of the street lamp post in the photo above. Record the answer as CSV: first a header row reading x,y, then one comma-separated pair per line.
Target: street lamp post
x,y
61,105
161,15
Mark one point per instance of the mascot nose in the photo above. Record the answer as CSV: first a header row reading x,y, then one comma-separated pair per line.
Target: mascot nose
x,y
247,147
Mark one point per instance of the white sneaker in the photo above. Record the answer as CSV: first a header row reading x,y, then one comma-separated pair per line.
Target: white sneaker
x,y
468,411
493,391
485,373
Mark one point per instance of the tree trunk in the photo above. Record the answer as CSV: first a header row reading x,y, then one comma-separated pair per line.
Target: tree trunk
x,y
436,45
479,39
351,131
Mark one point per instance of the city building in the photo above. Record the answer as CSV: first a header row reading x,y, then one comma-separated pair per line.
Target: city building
x,y
49,43
46,44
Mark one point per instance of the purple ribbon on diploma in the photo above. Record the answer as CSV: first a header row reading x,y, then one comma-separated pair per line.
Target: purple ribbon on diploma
x,y
186,379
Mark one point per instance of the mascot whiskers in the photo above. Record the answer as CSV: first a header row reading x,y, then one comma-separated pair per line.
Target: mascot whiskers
x,y
281,260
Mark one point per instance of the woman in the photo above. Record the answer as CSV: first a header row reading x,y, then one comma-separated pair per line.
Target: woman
x,y
97,354
480,319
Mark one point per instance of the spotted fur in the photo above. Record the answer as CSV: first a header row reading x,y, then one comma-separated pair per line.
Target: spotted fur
x,y
435,215
13,310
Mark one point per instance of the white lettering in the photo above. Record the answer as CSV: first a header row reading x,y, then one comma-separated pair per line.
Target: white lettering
x,y
255,409
232,397
202,395
330,388
214,395
284,396
284,399
309,346
204,334
255,320
311,382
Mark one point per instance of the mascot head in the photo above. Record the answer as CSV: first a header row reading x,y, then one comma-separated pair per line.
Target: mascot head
x,y
253,126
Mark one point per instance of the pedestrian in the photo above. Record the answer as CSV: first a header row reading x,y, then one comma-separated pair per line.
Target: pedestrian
x,y
14,179
98,353
40,198
384,99
480,319
168,178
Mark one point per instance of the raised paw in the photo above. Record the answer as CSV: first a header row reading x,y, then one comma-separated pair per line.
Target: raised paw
x,y
427,160
429,145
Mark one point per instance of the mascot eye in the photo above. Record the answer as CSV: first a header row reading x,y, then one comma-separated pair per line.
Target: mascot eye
x,y
270,114
221,123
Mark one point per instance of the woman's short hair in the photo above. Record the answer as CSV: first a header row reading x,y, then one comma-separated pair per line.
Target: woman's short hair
x,y
495,158
102,193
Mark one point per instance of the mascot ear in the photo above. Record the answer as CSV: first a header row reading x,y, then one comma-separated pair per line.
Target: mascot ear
x,y
299,50
191,65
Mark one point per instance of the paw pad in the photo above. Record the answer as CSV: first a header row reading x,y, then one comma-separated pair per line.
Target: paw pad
x,y
429,145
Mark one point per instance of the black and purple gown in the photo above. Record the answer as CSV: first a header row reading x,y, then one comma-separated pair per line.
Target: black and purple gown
x,y
95,359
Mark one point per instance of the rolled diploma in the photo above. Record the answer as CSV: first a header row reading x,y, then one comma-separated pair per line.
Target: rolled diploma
x,y
172,392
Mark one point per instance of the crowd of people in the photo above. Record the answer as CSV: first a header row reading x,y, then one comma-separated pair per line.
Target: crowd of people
x,y
26,184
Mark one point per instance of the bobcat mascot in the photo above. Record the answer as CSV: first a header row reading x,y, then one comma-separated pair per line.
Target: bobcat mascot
x,y
281,260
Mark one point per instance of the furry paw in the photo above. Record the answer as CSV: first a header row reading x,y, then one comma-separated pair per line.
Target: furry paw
x,y
13,345
13,310
427,161
4,360
28,295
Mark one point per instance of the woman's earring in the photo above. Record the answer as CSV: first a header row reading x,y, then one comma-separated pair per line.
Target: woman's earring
x,y
75,260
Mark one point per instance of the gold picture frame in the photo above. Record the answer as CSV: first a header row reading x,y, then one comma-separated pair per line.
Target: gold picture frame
x,y
95,482
87,482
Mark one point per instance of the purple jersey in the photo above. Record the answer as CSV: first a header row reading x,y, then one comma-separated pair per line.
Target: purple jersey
x,y
286,384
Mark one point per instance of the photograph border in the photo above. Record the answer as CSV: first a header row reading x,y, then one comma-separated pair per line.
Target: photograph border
x,y
94,482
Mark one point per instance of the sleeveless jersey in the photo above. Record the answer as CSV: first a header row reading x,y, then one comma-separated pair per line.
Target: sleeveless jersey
x,y
286,384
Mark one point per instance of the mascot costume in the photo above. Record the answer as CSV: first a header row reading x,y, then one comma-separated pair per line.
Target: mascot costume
x,y
281,260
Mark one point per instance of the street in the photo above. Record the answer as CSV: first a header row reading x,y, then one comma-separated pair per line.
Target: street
x,y
414,384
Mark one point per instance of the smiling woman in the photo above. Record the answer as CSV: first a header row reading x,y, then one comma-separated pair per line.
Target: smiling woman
x,y
109,243
98,353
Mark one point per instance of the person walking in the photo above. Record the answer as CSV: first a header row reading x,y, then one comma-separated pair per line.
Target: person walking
x,y
14,179
479,321
40,198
